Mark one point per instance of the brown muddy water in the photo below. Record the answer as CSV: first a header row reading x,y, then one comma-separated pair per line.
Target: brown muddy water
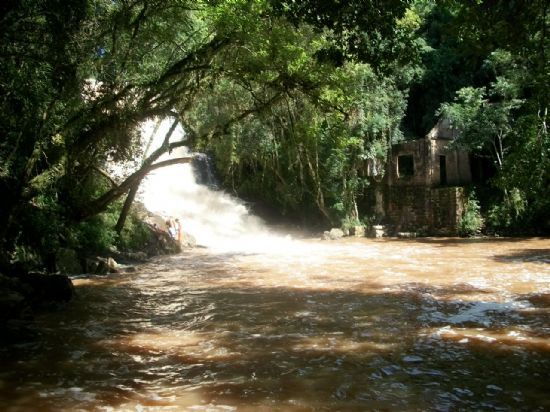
x,y
426,324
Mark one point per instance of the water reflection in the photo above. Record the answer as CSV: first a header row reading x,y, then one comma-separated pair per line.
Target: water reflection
x,y
433,324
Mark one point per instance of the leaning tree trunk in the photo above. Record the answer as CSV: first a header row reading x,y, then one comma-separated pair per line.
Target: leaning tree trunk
x,y
100,204
133,191
126,208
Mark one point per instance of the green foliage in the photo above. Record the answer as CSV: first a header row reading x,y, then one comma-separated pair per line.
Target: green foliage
x,y
350,222
358,29
135,235
26,258
308,153
502,111
485,119
471,222
507,214
95,235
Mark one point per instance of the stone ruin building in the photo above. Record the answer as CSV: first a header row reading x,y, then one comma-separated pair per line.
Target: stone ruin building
x,y
422,191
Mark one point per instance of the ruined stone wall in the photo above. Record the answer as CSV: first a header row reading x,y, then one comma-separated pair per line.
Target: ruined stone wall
x,y
420,151
431,211
457,165
448,208
427,168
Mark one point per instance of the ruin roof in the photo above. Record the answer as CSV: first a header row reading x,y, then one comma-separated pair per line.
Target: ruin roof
x,y
443,130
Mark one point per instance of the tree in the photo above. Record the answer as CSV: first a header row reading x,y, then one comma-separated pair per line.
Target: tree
x,y
485,117
77,80
509,110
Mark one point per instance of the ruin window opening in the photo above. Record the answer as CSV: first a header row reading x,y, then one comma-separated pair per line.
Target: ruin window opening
x,y
442,170
405,166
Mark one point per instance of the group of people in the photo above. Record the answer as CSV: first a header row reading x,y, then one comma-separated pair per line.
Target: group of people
x,y
174,229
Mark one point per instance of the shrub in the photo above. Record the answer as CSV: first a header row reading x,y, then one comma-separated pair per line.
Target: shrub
x,y
95,235
507,214
135,236
471,222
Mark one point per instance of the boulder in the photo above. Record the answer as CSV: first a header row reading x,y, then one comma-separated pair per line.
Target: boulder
x,y
20,295
540,300
104,266
333,234
160,243
45,289
112,265
91,265
378,231
406,235
357,231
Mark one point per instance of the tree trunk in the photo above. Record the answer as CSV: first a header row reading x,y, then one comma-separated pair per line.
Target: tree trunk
x,y
133,191
126,208
100,204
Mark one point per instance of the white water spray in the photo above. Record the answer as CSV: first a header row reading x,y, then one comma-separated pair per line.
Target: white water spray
x,y
216,219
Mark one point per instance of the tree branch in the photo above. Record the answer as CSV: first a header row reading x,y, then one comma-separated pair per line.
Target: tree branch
x,y
106,175
100,204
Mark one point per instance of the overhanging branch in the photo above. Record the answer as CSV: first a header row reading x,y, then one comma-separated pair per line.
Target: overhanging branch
x,y
100,204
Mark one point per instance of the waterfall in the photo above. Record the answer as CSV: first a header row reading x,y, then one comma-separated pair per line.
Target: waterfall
x,y
190,192
204,171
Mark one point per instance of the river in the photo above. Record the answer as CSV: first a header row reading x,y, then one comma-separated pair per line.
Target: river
x,y
262,322
439,324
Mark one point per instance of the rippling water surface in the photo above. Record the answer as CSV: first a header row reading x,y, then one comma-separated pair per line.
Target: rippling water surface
x,y
425,324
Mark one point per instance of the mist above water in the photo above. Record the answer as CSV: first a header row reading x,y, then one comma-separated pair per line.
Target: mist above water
x,y
216,219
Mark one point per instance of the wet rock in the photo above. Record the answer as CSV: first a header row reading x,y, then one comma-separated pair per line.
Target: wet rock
x,y
357,231
407,235
107,265
112,265
102,267
541,300
47,289
377,231
160,243
333,234
96,266
91,265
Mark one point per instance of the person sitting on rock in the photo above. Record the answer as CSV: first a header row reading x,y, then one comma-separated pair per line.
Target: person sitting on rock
x,y
178,230
171,229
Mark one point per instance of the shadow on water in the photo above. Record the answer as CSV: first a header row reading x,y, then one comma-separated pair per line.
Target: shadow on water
x,y
459,241
541,256
202,339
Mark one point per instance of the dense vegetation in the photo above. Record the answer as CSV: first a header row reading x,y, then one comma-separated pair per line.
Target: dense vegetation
x,y
296,100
